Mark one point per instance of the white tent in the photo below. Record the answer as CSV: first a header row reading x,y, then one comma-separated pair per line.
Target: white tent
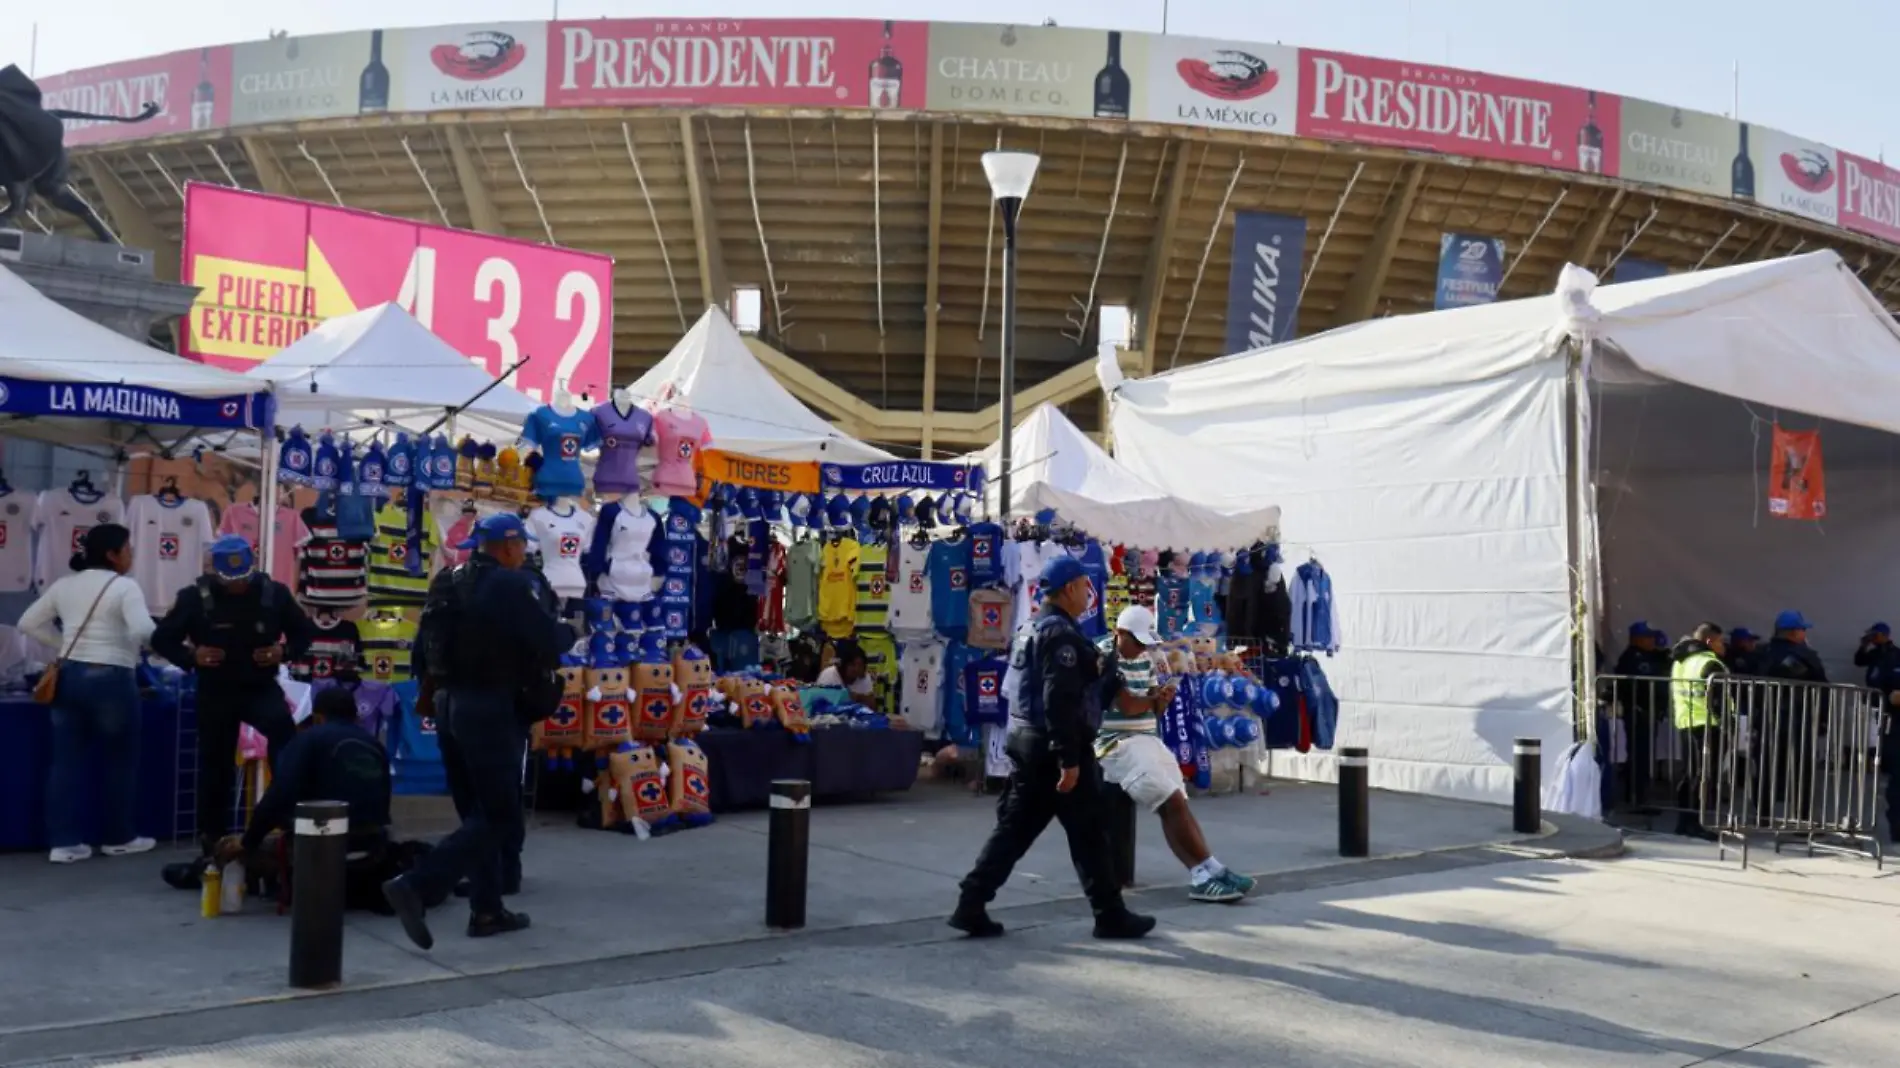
x,y
1060,467
379,366
1453,469
712,372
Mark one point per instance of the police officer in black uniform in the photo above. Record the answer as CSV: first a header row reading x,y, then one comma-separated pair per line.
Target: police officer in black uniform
x,y
492,627
1052,725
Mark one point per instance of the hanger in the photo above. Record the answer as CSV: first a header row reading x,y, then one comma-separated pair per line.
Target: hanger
x,y
919,538
5,487
168,493
82,487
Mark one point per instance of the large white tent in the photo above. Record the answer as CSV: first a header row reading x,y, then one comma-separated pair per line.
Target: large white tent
x,y
712,372
1479,480
1058,466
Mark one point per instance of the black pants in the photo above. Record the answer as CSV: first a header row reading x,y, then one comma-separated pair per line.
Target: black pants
x,y
220,710
489,746
1029,801
1702,759
462,793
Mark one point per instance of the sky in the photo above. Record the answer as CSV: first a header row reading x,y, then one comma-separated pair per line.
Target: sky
x,y
1808,68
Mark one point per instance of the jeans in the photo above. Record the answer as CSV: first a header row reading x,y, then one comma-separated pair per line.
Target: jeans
x,y
1029,802
97,706
220,710
462,793
489,747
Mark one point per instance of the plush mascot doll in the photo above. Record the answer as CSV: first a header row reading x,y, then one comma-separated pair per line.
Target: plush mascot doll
x,y
791,712
608,719
690,789
562,731
612,813
693,676
756,708
653,694
641,781
487,471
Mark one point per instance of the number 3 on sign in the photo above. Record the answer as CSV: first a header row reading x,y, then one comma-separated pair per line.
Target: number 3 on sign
x,y
498,287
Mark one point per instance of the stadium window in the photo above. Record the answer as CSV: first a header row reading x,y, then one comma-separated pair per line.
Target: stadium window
x,y
1117,325
746,308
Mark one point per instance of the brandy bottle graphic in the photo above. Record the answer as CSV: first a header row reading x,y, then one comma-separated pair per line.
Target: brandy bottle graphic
x,y
887,76
1742,171
204,98
372,89
1111,83
1590,141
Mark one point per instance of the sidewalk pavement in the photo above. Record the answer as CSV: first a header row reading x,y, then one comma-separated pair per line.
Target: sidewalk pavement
x,y
103,956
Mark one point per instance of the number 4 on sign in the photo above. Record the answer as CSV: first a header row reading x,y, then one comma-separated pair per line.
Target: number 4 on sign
x,y
417,296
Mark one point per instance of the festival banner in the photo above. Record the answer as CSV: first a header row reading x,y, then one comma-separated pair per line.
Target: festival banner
x,y
1464,113
1793,175
323,77
1263,286
1470,270
903,475
817,63
192,90
1037,70
271,268
1870,197
1631,269
1797,481
467,68
758,472
1683,149
1220,85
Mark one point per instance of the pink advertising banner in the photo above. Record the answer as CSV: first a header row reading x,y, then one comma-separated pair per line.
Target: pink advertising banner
x,y
1870,197
271,268
190,88
1442,109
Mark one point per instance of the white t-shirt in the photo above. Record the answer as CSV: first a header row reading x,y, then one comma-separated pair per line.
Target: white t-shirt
x,y
920,671
563,538
910,593
119,627
830,677
16,542
1030,556
629,574
62,520
168,547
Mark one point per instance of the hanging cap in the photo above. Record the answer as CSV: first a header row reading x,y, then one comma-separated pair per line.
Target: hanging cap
x,y
232,558
880,518
860,508
838,511
906,508
323,472
1792,620
294,459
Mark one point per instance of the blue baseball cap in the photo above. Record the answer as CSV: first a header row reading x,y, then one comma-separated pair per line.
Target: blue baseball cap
x,y
1061,571
1792,620
1639,628
1743,634
494,528
1881,628
232,558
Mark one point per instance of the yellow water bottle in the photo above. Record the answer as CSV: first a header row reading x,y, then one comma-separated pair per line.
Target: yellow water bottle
x,y
211,893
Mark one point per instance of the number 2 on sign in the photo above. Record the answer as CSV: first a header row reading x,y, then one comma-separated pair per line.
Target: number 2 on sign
x,y
498,285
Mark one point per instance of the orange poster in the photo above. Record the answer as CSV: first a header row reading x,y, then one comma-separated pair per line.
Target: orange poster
x,y
1797,483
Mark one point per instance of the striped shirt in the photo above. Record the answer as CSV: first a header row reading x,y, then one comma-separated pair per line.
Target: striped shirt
x,y
392,580
330,570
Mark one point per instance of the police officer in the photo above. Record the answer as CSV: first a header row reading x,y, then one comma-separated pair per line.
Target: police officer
x,y
1789,658
1880,657
501,645
1695,660
1642,694
1053,721
1744,654
233,627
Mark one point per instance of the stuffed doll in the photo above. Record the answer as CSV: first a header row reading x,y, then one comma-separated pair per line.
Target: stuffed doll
x,y
791,712
653,694
689,788
608,719
560,733
638,775
612,812
693,677
755,707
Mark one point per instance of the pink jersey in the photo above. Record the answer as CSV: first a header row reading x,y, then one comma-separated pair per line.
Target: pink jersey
x,y
681,434
287,533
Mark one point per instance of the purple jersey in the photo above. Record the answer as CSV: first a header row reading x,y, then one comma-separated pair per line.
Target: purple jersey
x,y
621,437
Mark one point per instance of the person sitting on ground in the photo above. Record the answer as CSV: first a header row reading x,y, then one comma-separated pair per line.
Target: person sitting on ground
x,y
1134,758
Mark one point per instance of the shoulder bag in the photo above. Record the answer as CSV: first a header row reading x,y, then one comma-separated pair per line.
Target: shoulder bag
x,y
48,687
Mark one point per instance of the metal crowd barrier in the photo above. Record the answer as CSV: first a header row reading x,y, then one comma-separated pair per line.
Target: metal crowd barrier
x,y
1792,761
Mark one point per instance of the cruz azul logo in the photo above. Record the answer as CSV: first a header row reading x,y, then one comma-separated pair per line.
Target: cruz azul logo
x,y
986,685
570,545
168,546
570,446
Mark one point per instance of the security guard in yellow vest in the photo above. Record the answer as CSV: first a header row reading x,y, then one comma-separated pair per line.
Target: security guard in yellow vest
x,y
1693,662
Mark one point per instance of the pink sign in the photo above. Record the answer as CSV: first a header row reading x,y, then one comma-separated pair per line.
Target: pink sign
x,y
191,89
271,268
1870,197
1442,109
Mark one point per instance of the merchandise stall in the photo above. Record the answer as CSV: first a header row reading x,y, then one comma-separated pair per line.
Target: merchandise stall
x,y
66,379
1499,479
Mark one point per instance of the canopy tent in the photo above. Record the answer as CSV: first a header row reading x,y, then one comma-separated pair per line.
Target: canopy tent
x,y
712,372
1448,468
65,378
1060,467
380,367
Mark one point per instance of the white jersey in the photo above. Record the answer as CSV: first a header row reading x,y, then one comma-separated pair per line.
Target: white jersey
x,y
629,574
16,542
1028,561
62,520
168,547
563,538
910,591
920,674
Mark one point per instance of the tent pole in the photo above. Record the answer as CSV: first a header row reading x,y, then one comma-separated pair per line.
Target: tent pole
x,y
266,498
1585,548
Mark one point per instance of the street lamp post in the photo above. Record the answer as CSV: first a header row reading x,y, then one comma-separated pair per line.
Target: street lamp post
x,y
1010,175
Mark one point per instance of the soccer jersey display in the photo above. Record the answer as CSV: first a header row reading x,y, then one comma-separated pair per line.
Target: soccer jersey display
x,y
949,570
801,583
681,434
334,646
920,673
910,614
628,565
622,434
169,537
563,533
287,533
561,439
330,570
62,518
388,642
984,702
838,587
874,587
16,542
986,555
398,567
1095,564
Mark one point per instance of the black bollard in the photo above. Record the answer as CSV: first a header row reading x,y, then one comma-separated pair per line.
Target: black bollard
x,y
1527,806
316,893
1355,810
787,849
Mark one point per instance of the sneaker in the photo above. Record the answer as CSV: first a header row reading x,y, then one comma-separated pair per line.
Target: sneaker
x,y
503,922
1215,889
1242,883
974,920
126,849
407,904
1123,925
70,854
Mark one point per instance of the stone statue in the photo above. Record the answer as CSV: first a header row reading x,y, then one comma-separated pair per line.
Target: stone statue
x,y
33,151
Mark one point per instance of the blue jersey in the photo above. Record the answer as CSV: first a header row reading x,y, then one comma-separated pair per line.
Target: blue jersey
x,y
1203,586
560,439
1171,604
986,555
957,726
949,569
1092,620
985,704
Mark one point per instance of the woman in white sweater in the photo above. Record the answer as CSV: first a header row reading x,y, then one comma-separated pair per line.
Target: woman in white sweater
x,y
102,622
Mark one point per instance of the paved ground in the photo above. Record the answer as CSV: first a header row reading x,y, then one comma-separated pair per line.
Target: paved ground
x,y
102,956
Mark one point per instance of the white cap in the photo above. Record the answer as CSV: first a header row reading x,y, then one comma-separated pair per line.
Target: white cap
x,y
1139,621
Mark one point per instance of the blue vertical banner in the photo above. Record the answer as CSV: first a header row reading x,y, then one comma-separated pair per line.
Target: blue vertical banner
x,y
1263,285
1629,269
1470,270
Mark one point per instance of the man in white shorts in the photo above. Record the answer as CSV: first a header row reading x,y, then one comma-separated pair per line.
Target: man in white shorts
x,y
1134,758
